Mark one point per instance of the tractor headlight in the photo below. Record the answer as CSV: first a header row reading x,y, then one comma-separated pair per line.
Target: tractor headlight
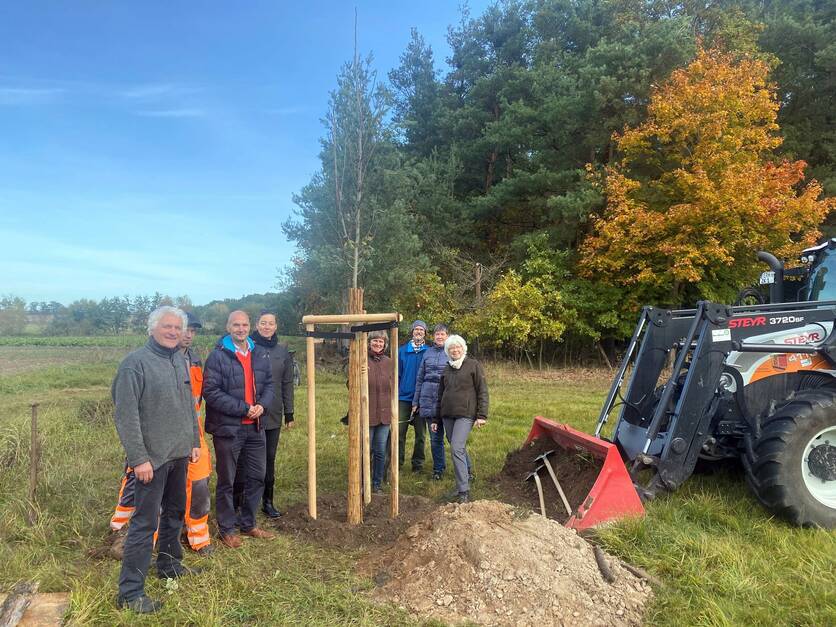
x,y
727,383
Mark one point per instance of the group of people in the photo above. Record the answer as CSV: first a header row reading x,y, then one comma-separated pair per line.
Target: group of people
x,y
245,389
442,391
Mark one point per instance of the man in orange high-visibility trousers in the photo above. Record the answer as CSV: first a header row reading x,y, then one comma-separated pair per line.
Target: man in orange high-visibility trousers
x,y
198,502
197,484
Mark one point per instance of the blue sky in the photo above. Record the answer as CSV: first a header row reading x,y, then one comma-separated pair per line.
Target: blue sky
x,y
155,146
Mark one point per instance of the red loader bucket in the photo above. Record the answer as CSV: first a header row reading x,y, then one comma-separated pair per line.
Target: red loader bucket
x,y
612,495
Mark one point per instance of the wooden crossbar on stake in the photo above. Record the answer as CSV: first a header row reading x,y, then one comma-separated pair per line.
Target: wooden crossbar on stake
x,y
359,453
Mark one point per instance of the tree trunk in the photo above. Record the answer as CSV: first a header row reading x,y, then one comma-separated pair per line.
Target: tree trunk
x,y
604,355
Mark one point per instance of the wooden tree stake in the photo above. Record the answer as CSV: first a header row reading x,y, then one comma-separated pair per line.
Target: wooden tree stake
x,y
364,417
393,429
34,460
310,367
355,505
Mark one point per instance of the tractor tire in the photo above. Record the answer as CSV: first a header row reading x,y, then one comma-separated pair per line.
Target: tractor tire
x,y
791,467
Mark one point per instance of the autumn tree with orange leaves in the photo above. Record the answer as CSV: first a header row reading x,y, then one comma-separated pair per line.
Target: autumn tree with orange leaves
x,y
696,190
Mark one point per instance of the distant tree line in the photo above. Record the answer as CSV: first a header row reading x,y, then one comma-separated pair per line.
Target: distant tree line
x,y
129,315
517,189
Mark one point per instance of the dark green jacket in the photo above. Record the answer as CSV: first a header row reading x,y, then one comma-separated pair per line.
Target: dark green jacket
x,y
463,393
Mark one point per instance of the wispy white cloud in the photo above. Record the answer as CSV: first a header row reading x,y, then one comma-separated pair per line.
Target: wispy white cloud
x,y
19,96
156,91
172,113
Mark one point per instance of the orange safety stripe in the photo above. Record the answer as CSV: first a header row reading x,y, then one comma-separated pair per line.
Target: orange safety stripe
x,y
197,529
123,513
197,532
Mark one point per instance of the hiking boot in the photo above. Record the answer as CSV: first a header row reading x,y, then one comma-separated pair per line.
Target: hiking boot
x,y
180,571
416,470
205,551
269,510
140,605
436,476
232,541
464,497
377,489
255,532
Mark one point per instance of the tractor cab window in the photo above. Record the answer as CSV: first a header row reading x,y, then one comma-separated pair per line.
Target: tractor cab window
x,y
822,282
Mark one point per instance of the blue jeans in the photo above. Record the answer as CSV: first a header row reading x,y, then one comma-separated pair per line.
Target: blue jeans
x,y
437,448
378,437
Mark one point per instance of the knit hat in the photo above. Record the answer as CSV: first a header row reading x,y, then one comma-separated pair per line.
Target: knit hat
x,y
418,323
194,321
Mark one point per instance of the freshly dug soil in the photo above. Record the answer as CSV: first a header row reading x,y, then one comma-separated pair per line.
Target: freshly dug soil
x,y
575,470
331,529
482,562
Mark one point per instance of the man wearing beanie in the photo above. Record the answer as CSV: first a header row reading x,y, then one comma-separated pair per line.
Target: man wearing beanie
x,y
409,360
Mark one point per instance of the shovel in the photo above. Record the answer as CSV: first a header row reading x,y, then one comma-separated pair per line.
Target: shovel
x,y
536,477
545,459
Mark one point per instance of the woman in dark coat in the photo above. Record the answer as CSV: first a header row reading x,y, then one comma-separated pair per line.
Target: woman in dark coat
x,y
381,382
282,365
463,403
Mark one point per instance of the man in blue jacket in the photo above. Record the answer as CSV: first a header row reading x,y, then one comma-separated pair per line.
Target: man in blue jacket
x,y
237,387
409,359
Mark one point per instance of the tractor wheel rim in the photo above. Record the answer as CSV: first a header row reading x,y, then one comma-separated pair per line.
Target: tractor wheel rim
x,y
817,471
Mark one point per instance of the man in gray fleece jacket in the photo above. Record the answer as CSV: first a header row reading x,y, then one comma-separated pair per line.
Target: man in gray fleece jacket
x,y
156,422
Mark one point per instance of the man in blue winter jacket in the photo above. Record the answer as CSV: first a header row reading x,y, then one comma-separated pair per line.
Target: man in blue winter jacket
x,y
409,360
237,387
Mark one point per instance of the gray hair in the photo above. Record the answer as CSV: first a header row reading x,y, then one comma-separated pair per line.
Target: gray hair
x,y
441,327
380,334
166,310
454,339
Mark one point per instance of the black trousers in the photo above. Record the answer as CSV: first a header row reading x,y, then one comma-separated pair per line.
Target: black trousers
x,y
160,506
248,442
271,437
420,426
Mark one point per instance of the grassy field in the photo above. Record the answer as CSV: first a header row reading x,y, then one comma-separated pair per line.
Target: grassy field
x,y
722,559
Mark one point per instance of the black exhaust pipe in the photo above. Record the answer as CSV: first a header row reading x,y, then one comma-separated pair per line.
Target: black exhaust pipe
x,y
776,290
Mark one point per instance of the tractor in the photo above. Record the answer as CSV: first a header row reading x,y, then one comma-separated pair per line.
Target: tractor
x,y
754,382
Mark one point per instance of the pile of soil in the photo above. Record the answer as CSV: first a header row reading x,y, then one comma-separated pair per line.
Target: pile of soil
x,y
482,562
575,470
331,529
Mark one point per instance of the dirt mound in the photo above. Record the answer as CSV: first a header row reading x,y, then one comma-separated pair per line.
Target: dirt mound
x,y
330,527
575,470
483,562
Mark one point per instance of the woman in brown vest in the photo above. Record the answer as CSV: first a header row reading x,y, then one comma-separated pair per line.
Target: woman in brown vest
x,y
381,380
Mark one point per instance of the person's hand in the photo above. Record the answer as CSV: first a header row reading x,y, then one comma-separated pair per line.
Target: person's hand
x,y
481,422
255,411
144,472
195,455
289,425
414,410
434,428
